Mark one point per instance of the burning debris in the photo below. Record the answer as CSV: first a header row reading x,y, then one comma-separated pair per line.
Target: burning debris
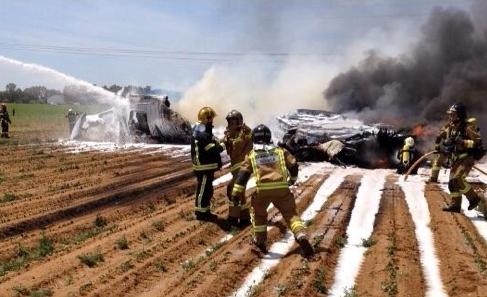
x,y
148,119
314,135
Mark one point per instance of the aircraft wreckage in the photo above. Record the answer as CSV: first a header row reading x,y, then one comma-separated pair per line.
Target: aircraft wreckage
x,y
316,135
148,119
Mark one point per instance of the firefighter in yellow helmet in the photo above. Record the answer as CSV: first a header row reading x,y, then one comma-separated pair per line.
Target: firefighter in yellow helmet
x,y
463,144
407,156
4,120
274,169
205,155
238,143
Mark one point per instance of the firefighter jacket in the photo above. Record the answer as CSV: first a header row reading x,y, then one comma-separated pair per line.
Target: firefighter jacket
x,y
271,167
407,154
465,137
238,144
205,148
4,118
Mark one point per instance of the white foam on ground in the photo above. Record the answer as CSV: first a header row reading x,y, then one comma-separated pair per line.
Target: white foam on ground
x,y
414,193
475,216
360,227
282,247
173,150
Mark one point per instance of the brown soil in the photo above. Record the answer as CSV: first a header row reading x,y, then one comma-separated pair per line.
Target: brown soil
x,y
461,250
295,276
146,200
392,264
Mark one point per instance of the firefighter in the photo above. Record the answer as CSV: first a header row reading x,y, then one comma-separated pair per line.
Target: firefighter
x,y
463,144
71,116
4,120
205,155
238,143
274,169
441,157
407,156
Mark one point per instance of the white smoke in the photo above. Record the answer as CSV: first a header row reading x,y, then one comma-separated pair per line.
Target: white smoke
x,y
258,90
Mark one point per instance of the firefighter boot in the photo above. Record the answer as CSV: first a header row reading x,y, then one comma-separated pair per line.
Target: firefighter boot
x,y
455,205
205,216
244,218
473,199
232,221
258,248
306,247
244,223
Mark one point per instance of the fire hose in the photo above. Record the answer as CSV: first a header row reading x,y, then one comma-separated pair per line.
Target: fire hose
x,y
416,164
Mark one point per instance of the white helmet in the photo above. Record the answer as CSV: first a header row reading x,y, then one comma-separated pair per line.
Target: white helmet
x,y
409,141
70,110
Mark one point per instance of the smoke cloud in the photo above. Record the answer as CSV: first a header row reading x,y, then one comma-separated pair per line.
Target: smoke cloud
x,y
258,90
448,64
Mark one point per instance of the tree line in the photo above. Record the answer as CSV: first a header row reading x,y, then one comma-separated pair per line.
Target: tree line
x,y
69,94
35,94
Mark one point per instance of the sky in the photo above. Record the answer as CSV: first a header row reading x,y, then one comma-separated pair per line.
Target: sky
x,y
173,44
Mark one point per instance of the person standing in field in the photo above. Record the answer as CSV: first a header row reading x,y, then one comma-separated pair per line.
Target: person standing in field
x,y
71,116
4,121
206,159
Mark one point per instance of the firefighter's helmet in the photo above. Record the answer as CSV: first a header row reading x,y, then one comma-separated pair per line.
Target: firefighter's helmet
x,y
206,115
70,110
4,106
409,141
262,134
459,110
235,115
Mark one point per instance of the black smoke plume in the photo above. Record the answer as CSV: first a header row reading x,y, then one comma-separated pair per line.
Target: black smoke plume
x,y
448,64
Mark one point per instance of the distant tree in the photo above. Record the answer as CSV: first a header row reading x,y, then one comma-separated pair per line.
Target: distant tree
x,y
11,87
114,88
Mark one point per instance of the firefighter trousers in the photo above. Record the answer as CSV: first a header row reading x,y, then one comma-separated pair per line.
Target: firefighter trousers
x,y
438,162
204,190
458,184
4,129
283,200
240,211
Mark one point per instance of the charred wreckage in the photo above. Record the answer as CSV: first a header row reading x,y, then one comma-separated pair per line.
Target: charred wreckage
x,y
316,135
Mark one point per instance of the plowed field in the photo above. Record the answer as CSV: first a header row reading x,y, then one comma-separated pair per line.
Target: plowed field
x,y
97,222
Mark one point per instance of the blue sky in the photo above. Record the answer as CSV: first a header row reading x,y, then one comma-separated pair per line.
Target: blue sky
x,y
193,27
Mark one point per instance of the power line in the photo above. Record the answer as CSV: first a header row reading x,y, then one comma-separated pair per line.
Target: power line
x,y
184,55
155,52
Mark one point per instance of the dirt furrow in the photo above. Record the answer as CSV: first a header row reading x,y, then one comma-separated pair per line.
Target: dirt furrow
x,y
29,178
392,264
74,189
224,270
295,276
47,216
137,230
461,250
186,256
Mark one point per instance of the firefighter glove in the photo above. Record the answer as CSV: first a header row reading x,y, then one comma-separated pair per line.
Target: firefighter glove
x,y
447,146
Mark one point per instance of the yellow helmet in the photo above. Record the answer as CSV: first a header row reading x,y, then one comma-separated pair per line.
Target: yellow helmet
x,y
206,115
